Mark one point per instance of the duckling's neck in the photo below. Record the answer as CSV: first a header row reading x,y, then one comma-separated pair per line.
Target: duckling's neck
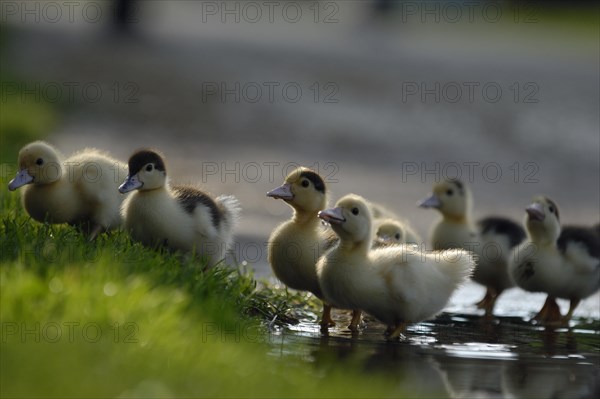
x,y
457,219
162,190
360,247
306,218
542,238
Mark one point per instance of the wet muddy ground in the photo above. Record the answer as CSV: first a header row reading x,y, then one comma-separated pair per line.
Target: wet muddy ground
x,y
458,355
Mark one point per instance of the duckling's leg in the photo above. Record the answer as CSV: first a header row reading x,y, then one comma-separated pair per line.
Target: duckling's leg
x,y
400,328
553,316
550,313
541,315
355,320
484,302
326,320
94,232
489,301
567,318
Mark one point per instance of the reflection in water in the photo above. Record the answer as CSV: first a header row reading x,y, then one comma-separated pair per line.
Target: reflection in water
x,y
474,378
544,378
459,356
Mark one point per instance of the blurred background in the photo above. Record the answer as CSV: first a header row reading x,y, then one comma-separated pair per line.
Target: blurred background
x,y
383,98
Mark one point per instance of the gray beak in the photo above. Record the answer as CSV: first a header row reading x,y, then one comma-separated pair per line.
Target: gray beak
x,y
130,184
535,211
283,192
332,215
22,178
430,202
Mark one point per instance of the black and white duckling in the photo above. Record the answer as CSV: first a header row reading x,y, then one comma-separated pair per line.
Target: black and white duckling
x,y
80,190
295,246
491,239
396,284
562,263
394,231
177,217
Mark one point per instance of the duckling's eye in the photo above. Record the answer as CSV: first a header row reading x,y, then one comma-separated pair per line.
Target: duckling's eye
x,y
149,168
355,211
305,183
551,209
397,236
39,161
450,192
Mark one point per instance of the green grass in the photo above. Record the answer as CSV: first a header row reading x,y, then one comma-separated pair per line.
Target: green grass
x,y
111,318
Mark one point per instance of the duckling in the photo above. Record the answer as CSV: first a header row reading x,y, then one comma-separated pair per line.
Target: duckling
x,y
398,285
492,238
177,217
395,231
80,190
295,246
563,264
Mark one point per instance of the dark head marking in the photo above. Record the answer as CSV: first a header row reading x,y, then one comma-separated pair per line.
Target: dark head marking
x,y
315,179
144,156
553,207
459,185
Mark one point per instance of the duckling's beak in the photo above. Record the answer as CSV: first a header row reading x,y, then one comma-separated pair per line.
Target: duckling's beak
x,y
283,192
130,184
535,211
430,202
332,216
22,178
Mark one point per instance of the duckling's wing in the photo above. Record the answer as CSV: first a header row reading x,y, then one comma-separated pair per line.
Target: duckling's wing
x,y
502,226
190,198
581,246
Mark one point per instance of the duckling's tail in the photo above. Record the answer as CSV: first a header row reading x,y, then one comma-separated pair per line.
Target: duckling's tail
x,y
457,264
230,208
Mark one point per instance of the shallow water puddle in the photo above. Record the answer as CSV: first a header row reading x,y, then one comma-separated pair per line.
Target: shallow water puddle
x,y
458,355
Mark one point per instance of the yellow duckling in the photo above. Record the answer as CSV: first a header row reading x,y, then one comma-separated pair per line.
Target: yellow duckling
x,y
177,217
296,245
80,190
394,231
562,263
398,285
491,239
